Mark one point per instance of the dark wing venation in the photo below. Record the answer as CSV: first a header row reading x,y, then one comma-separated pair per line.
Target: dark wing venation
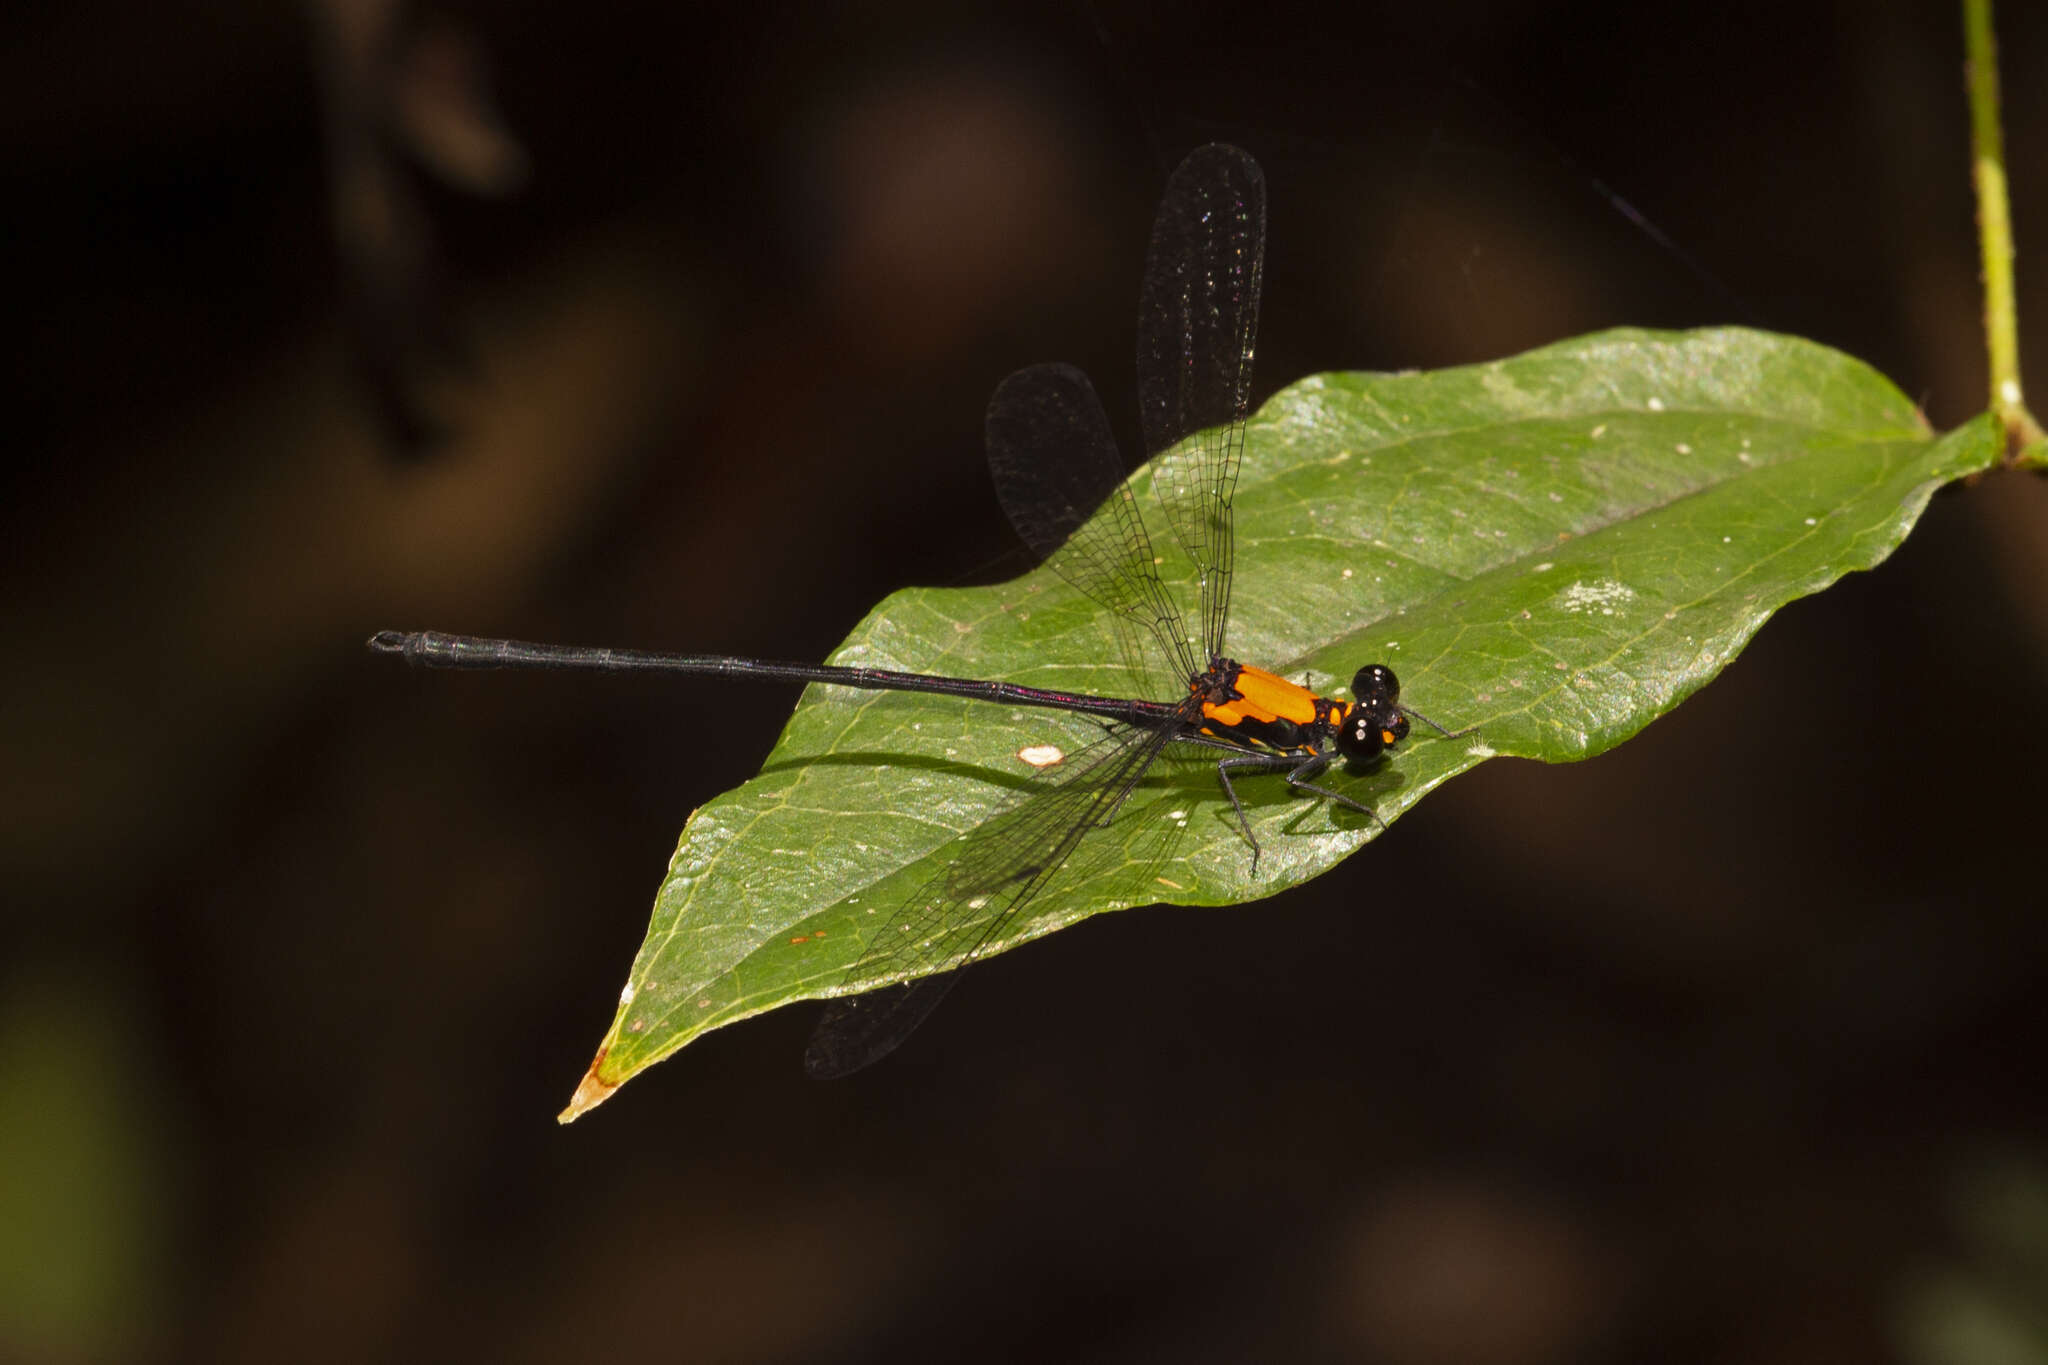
x,y
1198,320
959,912
1056,466
1055,463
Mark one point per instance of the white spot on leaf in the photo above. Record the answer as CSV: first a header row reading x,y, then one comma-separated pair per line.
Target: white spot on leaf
x,y
1602,595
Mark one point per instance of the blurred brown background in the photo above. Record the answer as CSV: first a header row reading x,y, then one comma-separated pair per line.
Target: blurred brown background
x,y
655,326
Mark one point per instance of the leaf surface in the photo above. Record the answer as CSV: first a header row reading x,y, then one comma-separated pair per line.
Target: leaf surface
x,y
1553,549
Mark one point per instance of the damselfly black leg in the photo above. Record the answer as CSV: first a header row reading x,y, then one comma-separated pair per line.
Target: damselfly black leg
x,y
1258,762
1312,766
1297,768
1414,714
1223,767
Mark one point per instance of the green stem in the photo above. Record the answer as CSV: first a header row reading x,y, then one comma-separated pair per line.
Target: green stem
x,y
2024,437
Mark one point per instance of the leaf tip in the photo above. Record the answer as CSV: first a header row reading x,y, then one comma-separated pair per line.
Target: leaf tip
x,y
591,1091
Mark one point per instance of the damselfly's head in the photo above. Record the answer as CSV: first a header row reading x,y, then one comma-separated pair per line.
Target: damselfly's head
x,y
1375,723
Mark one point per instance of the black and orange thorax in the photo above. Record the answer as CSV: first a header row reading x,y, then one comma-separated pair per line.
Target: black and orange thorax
x,y
1260,710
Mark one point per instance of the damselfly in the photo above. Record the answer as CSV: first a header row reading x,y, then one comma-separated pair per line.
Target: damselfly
x,y
1061,481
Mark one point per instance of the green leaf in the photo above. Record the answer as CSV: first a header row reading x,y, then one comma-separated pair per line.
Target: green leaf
x,y
1555,549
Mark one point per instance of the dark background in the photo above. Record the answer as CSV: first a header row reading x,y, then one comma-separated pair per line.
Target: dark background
x,y
1722,1047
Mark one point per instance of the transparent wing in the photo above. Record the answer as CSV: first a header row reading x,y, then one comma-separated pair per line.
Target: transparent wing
x,y
1055,462
1004,866
1198,320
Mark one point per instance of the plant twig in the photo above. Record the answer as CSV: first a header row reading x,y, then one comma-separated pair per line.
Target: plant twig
x,y
2024,438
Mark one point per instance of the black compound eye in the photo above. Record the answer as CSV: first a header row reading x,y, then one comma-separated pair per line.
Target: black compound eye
x,y
1375,682
1359,737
